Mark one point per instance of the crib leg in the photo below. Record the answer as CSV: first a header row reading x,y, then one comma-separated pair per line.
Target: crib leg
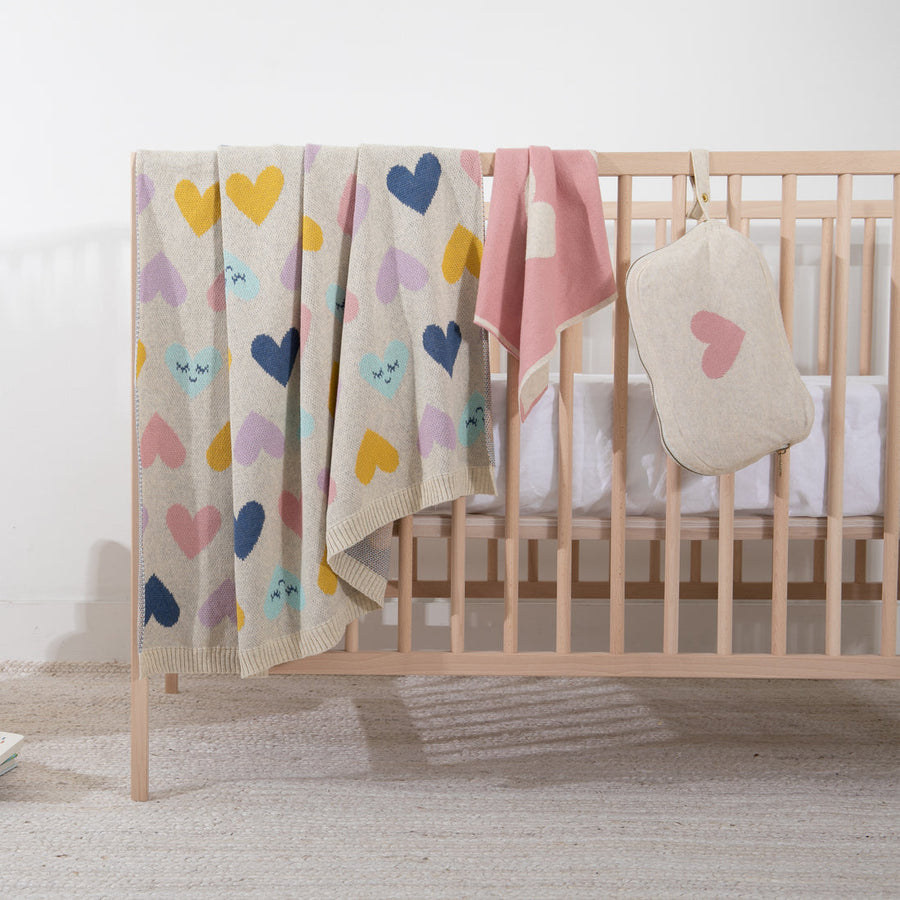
x,y
140,739
171,682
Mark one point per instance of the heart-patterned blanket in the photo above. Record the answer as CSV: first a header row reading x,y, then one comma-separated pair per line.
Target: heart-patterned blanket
x,y
307,371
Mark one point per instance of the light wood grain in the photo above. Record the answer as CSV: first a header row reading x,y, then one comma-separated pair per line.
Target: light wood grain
x,y
835,484
892,452
510,527
566,423
620,418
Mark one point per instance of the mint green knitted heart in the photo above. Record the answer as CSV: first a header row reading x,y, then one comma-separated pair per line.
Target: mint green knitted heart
x,y
385,374
193,375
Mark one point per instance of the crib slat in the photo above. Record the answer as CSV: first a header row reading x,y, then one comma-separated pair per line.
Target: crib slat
x,y
533,560
892,454
493,546
567,353
867,298
673,476
351,637
725,572
458,575
620,418
781,462
511,525
835,497
404,587
825,290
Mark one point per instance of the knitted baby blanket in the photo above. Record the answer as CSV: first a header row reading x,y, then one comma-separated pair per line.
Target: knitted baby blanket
x,y
546,263
307,371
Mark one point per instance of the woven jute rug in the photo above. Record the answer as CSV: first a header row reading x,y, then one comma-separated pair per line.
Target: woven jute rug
x,y
352,787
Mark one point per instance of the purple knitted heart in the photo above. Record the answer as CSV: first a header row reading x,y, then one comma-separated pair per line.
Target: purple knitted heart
x,y
327,485
256,434
399,268
435,426
159,276
221,603
290,274
310,153
145,191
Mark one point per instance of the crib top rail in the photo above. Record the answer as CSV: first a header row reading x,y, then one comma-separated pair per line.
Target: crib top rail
x,y
772,162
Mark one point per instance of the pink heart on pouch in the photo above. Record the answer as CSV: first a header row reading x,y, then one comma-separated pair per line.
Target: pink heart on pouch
x,y
220,604
193,533
159,439
435,426
256,434
215,296
399,268
159,276
724,339
290,508
471,165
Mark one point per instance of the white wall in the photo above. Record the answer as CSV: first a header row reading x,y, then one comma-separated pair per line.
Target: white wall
x,y
86,83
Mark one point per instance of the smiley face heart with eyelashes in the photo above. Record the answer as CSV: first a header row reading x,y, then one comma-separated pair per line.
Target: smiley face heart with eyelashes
x,y
386,374
193,374
284,588
471,423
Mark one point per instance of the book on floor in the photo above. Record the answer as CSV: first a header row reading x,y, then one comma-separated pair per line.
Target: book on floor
x,y
9,755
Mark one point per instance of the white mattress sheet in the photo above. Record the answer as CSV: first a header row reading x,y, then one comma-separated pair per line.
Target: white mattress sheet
x,y
865,423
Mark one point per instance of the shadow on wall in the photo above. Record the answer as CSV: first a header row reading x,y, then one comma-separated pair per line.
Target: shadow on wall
x,y
101,628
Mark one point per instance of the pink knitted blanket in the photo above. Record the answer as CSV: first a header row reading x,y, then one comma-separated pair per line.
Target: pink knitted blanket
x,y
546,258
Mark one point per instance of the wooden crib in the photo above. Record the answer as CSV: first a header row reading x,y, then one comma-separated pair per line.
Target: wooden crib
x,y
723,534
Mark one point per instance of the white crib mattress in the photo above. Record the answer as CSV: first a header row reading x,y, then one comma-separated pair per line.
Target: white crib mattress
x,y
865,423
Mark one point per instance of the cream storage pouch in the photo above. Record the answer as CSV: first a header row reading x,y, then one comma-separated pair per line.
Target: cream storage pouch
x,y
709,332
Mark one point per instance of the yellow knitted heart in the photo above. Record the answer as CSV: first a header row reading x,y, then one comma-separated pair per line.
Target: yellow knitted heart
x,y
312,234
333,388
463,251
328,581
255,200
141,358
375,453
240,617
218,454
200,212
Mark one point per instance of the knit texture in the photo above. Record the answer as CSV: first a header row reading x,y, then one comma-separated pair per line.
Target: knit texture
x,y
327,378
546,263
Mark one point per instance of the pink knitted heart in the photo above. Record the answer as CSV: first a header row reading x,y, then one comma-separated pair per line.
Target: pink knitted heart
x,y
290,507
193,533
724,339
159,439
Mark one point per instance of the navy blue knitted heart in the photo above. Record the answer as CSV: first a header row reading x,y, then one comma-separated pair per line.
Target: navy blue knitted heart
x,y
417,189
277,359
443,348
159,603
247,528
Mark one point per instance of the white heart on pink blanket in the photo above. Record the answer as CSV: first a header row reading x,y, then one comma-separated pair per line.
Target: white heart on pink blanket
x,y
540,240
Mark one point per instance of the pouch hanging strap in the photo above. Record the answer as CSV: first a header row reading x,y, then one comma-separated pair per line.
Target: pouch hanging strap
x,y
700,181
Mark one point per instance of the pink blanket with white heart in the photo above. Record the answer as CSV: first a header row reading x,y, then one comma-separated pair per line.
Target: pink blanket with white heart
x,y
546,257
